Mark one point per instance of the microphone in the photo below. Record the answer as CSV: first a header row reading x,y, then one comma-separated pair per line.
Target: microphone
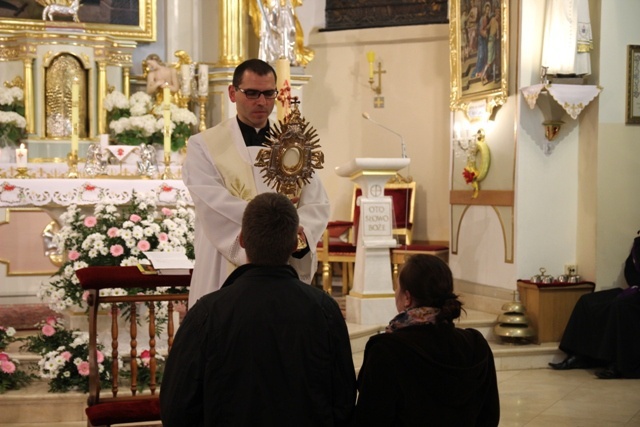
x,y
404,147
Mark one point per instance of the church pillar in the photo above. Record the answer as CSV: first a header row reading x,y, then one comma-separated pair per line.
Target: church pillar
x,y
102,92
29,101
232,35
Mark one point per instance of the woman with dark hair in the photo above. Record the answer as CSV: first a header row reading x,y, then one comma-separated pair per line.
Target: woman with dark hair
x,y
424,370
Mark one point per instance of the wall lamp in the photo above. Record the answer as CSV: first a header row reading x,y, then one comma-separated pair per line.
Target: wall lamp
x,y
371,57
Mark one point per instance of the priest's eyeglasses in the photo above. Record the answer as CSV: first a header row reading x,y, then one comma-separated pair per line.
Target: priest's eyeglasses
x,y
255,94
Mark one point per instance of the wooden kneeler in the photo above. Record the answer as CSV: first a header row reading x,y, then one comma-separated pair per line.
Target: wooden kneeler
x,y
135,406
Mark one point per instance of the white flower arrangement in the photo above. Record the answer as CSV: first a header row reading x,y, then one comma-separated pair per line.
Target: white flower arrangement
x,y
12,121
137,121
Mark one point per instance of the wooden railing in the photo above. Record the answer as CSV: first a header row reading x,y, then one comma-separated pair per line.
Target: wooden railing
x,y
133,406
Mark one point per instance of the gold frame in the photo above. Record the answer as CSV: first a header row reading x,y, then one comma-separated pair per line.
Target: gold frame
x,y
464,93
144,31
632,116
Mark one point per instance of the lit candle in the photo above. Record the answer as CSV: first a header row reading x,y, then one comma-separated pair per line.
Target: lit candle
x,y
21,156
283,70
75,91
203,80
166,112
185,71
371,57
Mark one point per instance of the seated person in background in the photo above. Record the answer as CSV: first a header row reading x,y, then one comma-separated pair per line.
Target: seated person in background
x,y
424,370
604,328
266,349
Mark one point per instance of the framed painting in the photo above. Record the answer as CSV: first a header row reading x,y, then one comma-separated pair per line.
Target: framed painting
x,y
479,54
130,20
633,85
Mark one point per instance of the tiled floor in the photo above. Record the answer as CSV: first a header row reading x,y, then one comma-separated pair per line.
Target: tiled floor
x,y
545,398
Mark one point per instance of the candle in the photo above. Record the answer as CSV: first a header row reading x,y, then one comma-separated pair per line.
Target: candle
x,y
166,112
185,71
203,80
371,57
74,116
283,70
21,156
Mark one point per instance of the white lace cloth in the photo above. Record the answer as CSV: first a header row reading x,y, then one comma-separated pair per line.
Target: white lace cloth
x,y
572,98
85,191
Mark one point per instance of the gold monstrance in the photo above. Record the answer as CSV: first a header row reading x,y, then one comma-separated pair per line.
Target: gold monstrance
x,y
292,153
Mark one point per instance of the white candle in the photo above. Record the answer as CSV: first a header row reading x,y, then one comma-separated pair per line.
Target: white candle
x,y
203,80
21,156
166,113
75,91
283,70
371,57
104,141
185,71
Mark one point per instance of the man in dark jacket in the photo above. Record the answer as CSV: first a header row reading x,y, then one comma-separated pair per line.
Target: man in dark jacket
x,y
266,349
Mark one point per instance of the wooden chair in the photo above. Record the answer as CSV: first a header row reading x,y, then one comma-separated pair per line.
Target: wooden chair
x,y
400,253
403,197
130,406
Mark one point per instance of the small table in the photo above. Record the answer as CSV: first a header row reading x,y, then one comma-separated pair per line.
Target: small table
x,y
549,306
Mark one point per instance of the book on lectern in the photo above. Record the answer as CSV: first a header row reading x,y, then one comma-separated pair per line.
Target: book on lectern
x,y
165,263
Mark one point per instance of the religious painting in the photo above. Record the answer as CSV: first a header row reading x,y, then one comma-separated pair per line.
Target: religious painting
x,y
479,53
633,85
350,14
130,20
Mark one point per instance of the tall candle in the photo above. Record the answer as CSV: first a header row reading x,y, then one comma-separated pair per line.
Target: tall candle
x,y
203,80
283,70
21,156
371,57
166,112
75,91
185,71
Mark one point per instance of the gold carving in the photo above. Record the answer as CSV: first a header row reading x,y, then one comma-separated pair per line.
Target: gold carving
x,y
16,82
59,76
291,155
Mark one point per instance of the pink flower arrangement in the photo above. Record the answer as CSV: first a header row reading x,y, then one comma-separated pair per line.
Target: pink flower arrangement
x,y
115,236
11,378
64,356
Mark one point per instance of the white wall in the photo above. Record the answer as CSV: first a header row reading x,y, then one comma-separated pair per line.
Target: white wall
x,y
618,150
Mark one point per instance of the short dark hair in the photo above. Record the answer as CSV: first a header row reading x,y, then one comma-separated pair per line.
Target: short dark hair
x,y
257,66
270,229
429,281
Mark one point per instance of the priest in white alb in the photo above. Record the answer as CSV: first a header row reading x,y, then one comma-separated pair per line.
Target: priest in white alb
x,y
220,174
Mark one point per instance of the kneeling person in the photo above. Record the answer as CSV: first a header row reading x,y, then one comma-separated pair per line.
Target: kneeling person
x,y
266,349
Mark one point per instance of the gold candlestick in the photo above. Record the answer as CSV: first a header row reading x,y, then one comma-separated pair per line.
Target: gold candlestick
x,y
166,174
203,113
72,161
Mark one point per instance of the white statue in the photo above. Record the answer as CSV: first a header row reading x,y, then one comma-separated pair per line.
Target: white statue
x,y
62,9
276,30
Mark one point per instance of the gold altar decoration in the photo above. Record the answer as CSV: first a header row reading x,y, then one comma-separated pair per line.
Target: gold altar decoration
x,y
291,155
63,70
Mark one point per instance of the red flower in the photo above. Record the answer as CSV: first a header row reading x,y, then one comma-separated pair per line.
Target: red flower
x,y
89,187
166,188
9,187
469,175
